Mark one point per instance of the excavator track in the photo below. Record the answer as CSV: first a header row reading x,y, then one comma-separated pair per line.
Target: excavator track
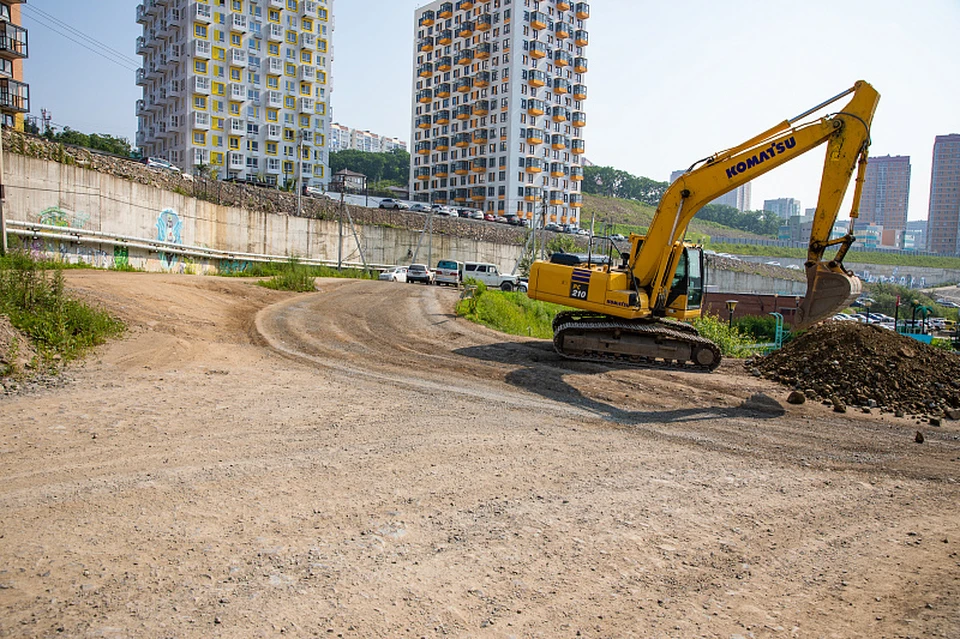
x,y
594,337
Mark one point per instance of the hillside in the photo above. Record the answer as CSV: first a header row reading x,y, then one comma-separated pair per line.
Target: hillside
x,y
631,215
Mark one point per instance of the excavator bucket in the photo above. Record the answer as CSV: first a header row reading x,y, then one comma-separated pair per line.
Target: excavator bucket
x,y
829,291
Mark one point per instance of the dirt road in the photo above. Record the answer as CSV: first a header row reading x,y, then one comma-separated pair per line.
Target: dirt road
x,y
359,462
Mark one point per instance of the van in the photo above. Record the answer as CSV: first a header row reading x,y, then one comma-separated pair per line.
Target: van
x,y
490,275
449,272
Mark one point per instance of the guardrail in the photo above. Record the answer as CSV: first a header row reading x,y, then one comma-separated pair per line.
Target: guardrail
x,y
84,236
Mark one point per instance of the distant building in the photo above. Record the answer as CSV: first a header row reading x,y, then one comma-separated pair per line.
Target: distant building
x,y
914,237
14,94
343,138
739,198
943,217
785,207
886,192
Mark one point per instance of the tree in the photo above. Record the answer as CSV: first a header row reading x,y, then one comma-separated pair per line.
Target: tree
x,y
95,141
392,166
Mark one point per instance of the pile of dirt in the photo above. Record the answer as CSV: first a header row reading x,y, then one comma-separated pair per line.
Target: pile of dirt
x,y
16,353
848,363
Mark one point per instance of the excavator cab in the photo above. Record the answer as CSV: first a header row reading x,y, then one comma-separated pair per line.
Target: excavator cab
x,y
686,290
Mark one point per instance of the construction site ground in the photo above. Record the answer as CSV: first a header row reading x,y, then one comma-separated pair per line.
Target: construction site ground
x,y
359,462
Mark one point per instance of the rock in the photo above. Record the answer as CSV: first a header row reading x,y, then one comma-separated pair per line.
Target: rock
x,y
919,437
934,421
953,413
899,413
796,397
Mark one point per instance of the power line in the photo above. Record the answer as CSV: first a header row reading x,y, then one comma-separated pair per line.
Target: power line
x,y
119,54
122,63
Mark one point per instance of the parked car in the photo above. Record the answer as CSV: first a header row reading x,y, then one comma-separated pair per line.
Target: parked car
x,y
516,220
490,275
616,237
420,273
439,209
475,214
417,207
395,274
160,163
500,219
448,272
392,204
489,217
553,226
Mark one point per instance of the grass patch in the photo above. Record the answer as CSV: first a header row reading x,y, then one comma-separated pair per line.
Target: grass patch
x,y
513,313
731,341
59,327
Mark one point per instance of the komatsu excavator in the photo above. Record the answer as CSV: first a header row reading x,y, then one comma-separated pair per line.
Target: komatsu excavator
x,y
634,311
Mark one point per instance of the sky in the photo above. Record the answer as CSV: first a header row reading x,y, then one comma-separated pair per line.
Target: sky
x,y
670,82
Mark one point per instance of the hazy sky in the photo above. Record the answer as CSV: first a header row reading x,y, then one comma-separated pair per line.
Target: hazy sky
x,y
670,82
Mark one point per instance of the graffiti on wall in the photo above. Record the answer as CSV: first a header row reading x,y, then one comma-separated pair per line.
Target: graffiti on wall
x,y
169,226
56,216
233,266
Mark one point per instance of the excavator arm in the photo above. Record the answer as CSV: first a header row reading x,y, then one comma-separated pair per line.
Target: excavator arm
x,y
847,134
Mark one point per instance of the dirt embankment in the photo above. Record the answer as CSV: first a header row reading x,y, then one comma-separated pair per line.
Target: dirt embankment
x,y
359,462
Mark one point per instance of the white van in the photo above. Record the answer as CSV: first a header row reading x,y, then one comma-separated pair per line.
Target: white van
x,y
490,275
449,272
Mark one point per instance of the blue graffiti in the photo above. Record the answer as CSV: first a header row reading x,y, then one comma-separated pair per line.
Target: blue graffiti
x,y
169,226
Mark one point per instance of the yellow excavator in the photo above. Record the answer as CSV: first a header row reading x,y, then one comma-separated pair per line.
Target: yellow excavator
x,y
634,310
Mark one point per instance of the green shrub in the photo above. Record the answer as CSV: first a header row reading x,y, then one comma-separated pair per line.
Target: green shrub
x,y
757,328
731,341
33,297
513,313
294,276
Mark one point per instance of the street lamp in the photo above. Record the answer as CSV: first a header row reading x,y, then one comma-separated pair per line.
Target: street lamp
x,y
867,304
731,305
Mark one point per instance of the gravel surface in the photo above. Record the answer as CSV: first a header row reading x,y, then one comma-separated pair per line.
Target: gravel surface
x,y
359,462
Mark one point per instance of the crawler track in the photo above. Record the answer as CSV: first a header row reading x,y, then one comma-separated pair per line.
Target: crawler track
x,y
658,344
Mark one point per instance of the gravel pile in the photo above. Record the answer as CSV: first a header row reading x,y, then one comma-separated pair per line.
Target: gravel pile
x,y
852,364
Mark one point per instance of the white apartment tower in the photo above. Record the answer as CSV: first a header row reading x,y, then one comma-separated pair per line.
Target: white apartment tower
x,y
238,86
498,106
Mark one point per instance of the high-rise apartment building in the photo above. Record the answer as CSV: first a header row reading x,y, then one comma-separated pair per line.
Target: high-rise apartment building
x,y
943,219
343,138
498,106
785,207
14,93
240,86
886,192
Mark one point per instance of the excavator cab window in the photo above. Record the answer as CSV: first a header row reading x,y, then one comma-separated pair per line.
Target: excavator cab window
x,y
688,278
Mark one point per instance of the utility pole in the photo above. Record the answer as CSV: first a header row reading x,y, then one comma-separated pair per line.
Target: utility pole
x,y
300,173
3,219
340,226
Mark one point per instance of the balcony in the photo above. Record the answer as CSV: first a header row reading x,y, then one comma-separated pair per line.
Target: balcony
x,y
576,173
538,49
463,85
536,107
201,49
461,140
445,63
275,4
559,142
439,197
579,92
425,70
144,46
561,86
464,57
576,200
441,117
306,105
202,13
480,108
562,58
424,96
238,92
482,50
238,57
478,165
581,38
536,78
142,15
562,30
463,112
444,37
427,18
460,195
446,10
560,114
201,120
141,77
579,119
466,29
578,147
479,137
531,193
580,65
422,173
481,79
273,132
422,147
533,165
478,193
558,169
563,5
307,73
13,41
539,20
464,5
274,99
238,22
423,122
556,198
582,11
275,32
534,136
441,170
141,108
441,144
461,167
425,45
274,66
236,161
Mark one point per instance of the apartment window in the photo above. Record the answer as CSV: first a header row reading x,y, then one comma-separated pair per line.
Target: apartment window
x,y
236,39
200,66
199,138
199,102
200,31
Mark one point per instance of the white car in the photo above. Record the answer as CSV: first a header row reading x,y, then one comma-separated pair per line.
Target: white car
x,y
395,274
